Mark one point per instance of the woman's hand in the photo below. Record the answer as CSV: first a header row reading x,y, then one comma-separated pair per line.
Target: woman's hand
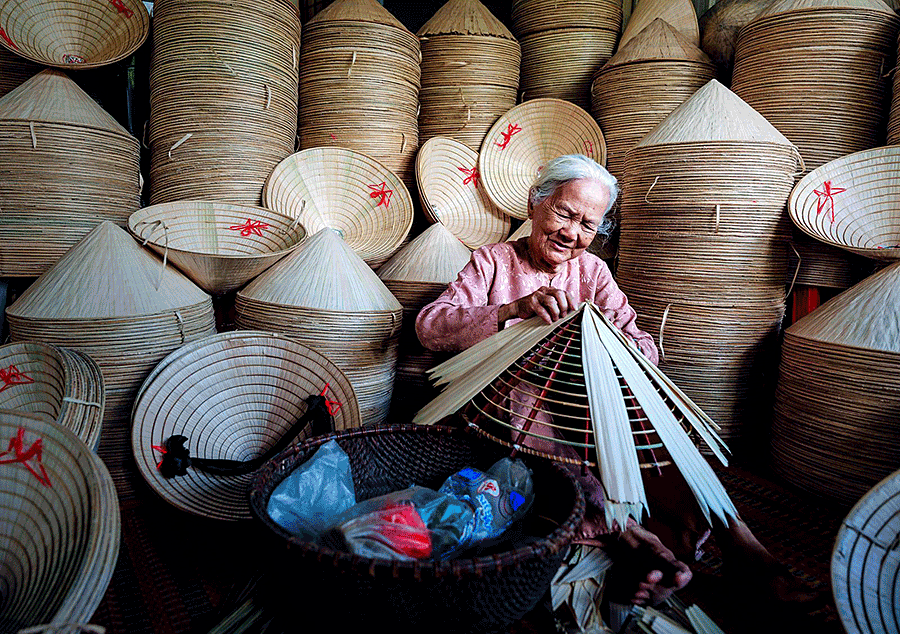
x,y
548,303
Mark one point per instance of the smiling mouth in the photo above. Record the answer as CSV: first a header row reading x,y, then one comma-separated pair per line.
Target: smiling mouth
x,y
559,245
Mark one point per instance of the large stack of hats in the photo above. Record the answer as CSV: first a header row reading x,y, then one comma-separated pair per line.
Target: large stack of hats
x,y
837,413
325,296
66,166
703,247
15,70
124,307
470,72
223,97
359,83
719,28
650,76
828,100
680,14
564,42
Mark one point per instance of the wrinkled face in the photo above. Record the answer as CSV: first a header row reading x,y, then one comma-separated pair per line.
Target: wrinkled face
x,y
564,224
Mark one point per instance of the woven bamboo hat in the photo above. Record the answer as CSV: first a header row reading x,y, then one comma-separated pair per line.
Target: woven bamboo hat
x,y
719,28
448,179
15,70
58,384
534,16
863,568
219,246
679,13
853,203
233,395
524,139
347,191
464,17
79,34
893,125
61,525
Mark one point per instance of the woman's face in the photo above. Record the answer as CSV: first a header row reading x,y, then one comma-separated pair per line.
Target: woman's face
x,y
564,224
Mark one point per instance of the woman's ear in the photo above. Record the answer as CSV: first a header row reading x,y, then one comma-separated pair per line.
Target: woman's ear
x,y
530,206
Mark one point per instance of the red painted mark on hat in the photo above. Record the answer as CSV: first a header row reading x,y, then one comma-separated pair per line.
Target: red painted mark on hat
x,y
826,196
24,456
332,406
121,8
383,192
7,39
472,176
333,138
511,129
250,227
12,376
588,147
161,450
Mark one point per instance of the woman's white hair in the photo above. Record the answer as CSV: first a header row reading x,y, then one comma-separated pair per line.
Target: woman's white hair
x,y
572,167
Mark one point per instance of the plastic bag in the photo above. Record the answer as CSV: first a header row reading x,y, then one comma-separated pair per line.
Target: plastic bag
x,y
309,500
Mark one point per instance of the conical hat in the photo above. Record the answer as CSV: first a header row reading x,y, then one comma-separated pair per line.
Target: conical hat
x,y
714,113
51,97
107,275
678,13
324,273
865,316
356,11
658,41
436,255
465,17
784,6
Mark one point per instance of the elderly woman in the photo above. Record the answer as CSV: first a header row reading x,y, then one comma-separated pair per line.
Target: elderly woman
x,y
549,274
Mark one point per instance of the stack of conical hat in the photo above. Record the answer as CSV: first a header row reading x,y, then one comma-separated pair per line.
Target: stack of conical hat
x,y
680,14
15,70
719,28
829,101
359,83
117,302
325,296
837,408
223,97
564,42
703,247
49,126
73,34
470,72
642,84
893,126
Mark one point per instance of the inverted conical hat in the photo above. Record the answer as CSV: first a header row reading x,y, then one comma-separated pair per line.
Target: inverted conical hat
x,y
356,11
324,273
679,13
865,316
51,97
658,41
106,275
436,255
783,6
714,113
465,17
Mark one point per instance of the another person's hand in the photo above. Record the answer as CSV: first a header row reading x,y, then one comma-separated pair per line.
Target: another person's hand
x,y
547,303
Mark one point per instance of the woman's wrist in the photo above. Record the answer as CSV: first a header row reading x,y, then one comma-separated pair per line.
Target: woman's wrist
x,y
505,313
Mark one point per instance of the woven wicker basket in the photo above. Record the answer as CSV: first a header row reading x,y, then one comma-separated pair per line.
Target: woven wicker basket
x,y
483,594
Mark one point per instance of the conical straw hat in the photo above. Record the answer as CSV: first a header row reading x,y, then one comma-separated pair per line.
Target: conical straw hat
x,y
678,13
74,33
356,11
853,202
784,6
106,275
866,316
51,97
464,17
434,256
714,113
658,41
14,70
524,139
324,273
344,190
719,28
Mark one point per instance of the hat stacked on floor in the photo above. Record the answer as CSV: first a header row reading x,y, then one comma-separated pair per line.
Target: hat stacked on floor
x,y
359,83
76,34
470,72
719,28
58,384
417,276
837,408
117,302
15,70
828,100
49,125
223,97
564,42
326,297
654,73
703,248
680,14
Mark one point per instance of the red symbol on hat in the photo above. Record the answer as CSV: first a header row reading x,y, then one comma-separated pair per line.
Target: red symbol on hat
x,y
23,456
588,147
161,450
472,176
826,196
384,192
332,406
121,8
333,138
511,129
250,227
11,376
8,40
